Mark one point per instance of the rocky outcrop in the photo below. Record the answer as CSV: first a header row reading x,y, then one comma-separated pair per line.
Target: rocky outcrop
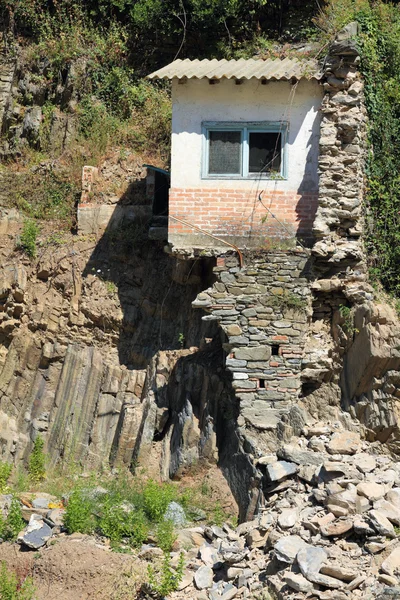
x,y
7,70
73,357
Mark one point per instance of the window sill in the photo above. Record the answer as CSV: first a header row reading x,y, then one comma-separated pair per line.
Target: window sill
x,y
241,178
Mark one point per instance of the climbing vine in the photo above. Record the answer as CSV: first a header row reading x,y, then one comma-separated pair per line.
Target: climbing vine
x,y
380,64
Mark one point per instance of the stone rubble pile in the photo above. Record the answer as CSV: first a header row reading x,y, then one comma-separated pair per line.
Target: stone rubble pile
x,y
329,529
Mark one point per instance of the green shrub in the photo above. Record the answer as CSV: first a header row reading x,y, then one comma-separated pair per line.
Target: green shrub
x,y
156,499
12,588
119,523
37,461
166,580
165,535
5,472
79,513
28,238
13,524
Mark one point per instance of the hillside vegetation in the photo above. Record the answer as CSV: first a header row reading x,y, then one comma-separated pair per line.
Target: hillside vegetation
x,y
106,48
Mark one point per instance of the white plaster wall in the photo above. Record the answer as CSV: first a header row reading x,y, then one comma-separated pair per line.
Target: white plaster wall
x,y
196,101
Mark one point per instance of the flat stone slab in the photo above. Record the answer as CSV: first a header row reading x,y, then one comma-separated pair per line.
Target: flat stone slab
x,y
36,534
287,518
371,490
344,442
365,462
299,456
203,578
280,470
298,582
381,524
311,559
391,565
338,572
338,527
287,548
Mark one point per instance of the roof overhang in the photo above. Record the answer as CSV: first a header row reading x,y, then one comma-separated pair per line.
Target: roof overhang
x,y
287,69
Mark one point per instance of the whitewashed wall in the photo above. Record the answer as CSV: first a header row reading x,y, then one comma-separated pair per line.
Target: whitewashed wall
x,y
196,101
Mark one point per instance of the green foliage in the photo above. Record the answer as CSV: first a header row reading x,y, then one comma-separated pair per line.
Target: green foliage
x,y
287,300
14,523
165,535
5,472
28,237
79,513
380,51
42,196
13,587
156,499
347,314
37,461
119,522
181,339
166,580
218,516
198,27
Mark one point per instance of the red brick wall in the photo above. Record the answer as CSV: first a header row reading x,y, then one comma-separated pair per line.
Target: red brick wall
x,y
230,212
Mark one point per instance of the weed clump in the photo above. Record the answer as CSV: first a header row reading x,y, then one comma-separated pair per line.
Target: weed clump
x,y
37,461
13,588
156,499
28,238
13,524
120,522
5,472
79,513
166,580
165,535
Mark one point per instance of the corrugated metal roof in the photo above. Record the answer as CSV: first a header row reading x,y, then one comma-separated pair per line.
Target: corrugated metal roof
x,y
286,69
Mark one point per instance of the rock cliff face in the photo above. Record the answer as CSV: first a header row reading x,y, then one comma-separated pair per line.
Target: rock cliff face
x,y
120,354
75,344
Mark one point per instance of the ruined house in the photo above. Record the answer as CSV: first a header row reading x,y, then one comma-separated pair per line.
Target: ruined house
x,y
244,162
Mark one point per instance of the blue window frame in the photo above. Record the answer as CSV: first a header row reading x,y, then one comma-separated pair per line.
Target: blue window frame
x,y
245,150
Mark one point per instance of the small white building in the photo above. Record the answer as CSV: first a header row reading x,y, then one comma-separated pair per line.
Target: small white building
x,y
244,165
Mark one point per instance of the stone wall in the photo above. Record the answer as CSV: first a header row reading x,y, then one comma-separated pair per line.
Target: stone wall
x,y
263,309
338,226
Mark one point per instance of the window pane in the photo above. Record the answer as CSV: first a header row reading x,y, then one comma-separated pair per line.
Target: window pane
x,y
264,152
225,153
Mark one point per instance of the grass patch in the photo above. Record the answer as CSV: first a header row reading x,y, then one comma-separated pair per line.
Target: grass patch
x,y
28,239
13,524
13,587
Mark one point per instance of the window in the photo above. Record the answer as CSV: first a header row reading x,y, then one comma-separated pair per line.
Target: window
x,y
244,150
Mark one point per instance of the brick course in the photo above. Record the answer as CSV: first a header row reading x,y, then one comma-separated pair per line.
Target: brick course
x,y
232,212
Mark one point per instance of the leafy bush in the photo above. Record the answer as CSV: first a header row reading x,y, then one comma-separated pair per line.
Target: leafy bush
x,y
13,524
28,237
37,461
79,513
5,472
11,586
165,535
166,580
156,499
42,196
118,522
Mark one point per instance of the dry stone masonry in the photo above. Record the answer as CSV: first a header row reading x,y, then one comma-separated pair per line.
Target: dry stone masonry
x,y
263,310
338,226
